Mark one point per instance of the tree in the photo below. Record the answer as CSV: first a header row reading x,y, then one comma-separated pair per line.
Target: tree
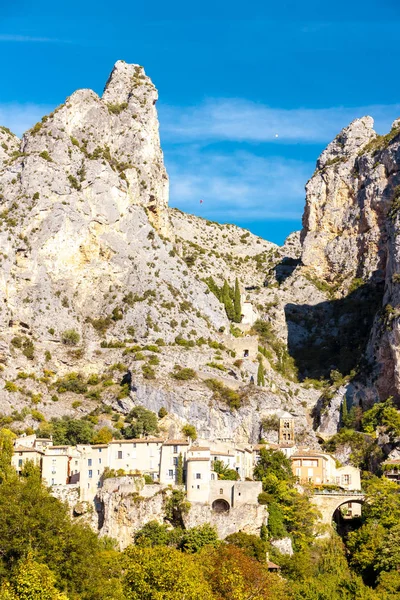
x,y
143,422
34,581
163,573
68,431
179,470
195,538
224,472
32,519
233,575
260,374
154,534
190,432
273,463
237,303
227,301
382,414
252,545
103,436
6,451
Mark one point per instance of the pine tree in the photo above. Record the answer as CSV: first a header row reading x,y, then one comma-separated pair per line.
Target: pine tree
x,y
179,470
260,374
236,303
264,532
345,414
227,300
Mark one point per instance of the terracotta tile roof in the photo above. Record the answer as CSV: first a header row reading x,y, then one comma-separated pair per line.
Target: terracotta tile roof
x,y
197,458
176,443
392,461
138,441
216,453
27,449
272,565
195,448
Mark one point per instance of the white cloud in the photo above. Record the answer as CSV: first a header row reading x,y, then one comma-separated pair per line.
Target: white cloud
x,y
5,37
20,117
238,186
241,120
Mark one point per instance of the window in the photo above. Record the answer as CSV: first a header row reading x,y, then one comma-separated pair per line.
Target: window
x,y
175,461
346,479
119,454
90,474
198,487
53,482
310,463
89,462
170,473
286,425
198,475
20,462
221,491
100,449
245,353
99,461
175,449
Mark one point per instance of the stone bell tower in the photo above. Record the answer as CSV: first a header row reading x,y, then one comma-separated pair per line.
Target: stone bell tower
x,y
286,431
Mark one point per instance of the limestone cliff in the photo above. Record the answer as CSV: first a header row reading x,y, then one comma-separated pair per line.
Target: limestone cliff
x,y
102,282
349,235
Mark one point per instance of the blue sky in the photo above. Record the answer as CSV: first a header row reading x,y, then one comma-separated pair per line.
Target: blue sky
x,y
231,76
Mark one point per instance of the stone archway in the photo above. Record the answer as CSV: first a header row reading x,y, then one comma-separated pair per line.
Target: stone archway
x,y
328,503
220,506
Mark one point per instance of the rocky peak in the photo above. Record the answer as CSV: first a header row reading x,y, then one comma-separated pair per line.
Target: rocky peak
x,y
348,142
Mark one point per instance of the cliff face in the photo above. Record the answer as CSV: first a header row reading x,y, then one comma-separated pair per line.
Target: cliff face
x,y
349,236
89,246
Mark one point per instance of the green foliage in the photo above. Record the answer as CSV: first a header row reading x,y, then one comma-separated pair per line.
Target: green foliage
x,y
70,337
179,470
72,382
190,432
382,414
36,530
224,472
148,372
153,534
162,412
260,374
364,450
163,573
116,109
237,303
142,422
34,581
226,297
275,350
68,431
222,393
252,545
194,539
183,373
175,506
46,156
291,512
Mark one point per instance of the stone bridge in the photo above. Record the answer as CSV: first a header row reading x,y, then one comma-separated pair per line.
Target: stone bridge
x,y
328,502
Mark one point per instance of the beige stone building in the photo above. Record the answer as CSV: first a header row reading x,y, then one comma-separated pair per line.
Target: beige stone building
x,y
171,450
320,469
